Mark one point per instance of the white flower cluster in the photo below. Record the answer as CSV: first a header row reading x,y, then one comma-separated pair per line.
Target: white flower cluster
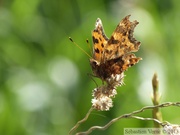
x,y
102,100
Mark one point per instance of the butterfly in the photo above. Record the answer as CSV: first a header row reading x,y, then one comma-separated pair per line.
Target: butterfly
x,y
112,56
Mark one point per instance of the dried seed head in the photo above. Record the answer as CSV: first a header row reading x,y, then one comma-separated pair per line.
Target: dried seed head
x,y
102,97
115,80
102,104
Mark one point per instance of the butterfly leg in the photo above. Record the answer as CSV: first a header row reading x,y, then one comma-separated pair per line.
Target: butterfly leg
x,y
91,76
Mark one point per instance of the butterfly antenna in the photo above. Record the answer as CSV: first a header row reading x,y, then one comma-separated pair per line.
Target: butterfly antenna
x,y
79,47
90,47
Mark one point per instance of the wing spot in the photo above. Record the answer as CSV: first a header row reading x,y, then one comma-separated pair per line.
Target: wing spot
x,y
95,40
117,53
102,45
123,39
113,41
108,51
96,50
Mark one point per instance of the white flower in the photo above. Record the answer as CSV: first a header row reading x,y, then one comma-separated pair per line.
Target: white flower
x,y
115,80
103,104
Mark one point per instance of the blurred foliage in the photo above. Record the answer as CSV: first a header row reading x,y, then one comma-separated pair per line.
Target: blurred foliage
x,y
44,86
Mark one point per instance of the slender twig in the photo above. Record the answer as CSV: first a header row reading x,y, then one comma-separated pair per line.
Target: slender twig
x,y
81,121
167,104
150,119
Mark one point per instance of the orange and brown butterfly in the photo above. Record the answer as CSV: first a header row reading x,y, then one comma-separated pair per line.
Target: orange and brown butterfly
x,y
112,56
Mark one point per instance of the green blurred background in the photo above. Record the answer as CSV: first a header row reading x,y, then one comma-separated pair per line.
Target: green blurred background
x,y
44,86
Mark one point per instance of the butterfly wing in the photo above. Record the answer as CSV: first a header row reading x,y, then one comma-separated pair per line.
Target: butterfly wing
x,y
113,56
121,64
129,60
122,40
100,40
